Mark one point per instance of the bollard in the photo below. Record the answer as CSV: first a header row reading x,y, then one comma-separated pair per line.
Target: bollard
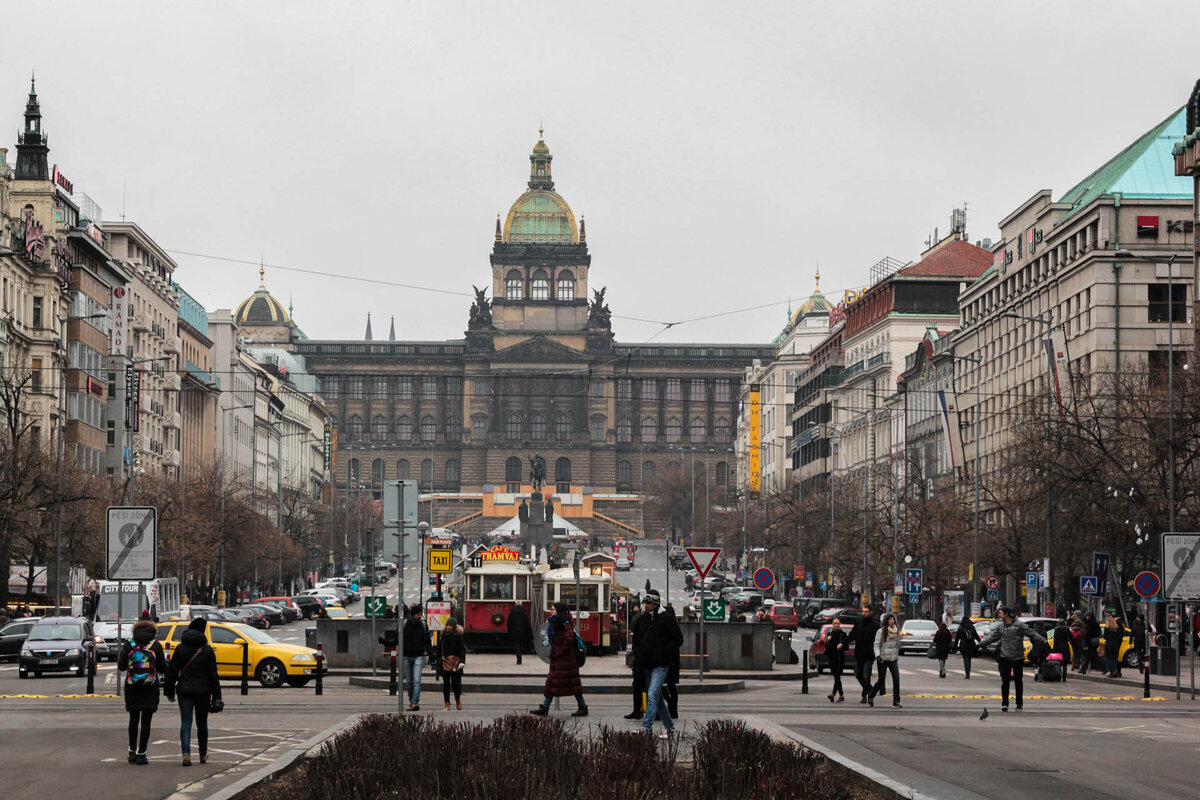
x,y
804,672
245,668
320,662
1145,675
392,676
91,669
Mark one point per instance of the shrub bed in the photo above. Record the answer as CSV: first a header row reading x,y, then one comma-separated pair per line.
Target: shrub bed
x,y
519,756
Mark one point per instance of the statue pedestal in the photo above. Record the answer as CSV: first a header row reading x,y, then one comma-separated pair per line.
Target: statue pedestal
x,y
536,530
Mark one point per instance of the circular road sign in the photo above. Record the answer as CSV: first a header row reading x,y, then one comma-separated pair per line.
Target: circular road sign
x,y
764,578
808,593
793,593
1146,584
992,582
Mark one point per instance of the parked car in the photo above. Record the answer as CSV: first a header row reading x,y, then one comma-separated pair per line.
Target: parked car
x,y
12,636
818,659
747,600
289,614
338,613
715,583
307,605
248,616
1128,657
274,614
783,616
848,616
916,635
56,644
328,596
272,663
623,564
690,577
808,607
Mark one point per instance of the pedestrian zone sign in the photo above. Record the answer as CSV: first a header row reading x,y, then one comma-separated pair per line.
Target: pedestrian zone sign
x,y
375,606
714,609
703,558
1087,584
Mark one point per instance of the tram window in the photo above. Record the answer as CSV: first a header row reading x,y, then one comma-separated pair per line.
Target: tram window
x,y
473,588
523,588
498,587
566,593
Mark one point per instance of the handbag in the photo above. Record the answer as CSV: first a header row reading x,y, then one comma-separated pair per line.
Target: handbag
x,y
450,664
932,651
216,705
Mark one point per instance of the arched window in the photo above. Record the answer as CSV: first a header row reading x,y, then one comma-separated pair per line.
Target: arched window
x,y
513,285
539,287
721,430
379,428
597,428
428,428
354,428
404,429
537,427
562,470
453,429
377,479
427,472
722,473
512,470
697,431
563,428
565,290
647,471
624,431
512,427
451,472
674,430
673,467
649,430
403,471
353,471
624,474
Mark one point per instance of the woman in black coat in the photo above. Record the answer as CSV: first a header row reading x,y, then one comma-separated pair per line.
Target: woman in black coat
x,y
941,647
519,630
836,644
193,677
141,659
452,650
965,641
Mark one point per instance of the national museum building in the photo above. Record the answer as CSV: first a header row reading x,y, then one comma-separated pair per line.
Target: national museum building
x,y
538,372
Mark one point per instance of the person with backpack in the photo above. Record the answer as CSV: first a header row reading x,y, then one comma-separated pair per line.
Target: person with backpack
x,y
658,650
941,647
141,659
965,642
566,654
452,650
416,645
192,677
864,650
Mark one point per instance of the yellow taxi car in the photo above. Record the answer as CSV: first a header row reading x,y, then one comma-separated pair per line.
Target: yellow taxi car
x,y
272,663
1128,657
337,612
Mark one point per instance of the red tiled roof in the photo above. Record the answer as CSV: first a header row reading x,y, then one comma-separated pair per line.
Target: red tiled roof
x,y
957,259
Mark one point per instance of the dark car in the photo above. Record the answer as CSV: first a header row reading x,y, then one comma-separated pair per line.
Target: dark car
x,y
307,605
249,616
808,607
848,616
273,614
56,644
747,600
817,657
13,635
282,603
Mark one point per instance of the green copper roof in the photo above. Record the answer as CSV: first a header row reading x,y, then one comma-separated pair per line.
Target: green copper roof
x,y
1145,169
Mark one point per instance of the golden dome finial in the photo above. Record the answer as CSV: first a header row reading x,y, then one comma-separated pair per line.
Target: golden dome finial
x,y
818,289
262,284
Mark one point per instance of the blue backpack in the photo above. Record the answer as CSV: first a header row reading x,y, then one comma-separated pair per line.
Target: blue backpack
x,y
142,665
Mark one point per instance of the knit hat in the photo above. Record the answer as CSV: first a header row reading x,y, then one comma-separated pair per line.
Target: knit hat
x,y
451,622
198,624
415,608
652,597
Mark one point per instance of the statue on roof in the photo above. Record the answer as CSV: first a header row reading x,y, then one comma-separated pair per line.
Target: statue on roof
x,y
481,310
599,315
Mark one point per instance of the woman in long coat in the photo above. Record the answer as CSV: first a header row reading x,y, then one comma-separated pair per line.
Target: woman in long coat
x,y
563,679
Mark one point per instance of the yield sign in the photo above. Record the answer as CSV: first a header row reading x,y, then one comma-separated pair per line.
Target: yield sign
x,y
703,558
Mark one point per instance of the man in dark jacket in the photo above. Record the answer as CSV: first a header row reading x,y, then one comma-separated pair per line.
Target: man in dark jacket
x,y
141,659
415,645
637,628
193,677
519,630
864,650
1091,642
657,650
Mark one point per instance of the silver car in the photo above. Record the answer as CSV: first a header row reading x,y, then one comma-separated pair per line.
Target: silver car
x,y
917,635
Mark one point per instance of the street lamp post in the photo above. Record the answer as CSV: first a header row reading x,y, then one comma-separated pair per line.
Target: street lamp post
x,y
977,361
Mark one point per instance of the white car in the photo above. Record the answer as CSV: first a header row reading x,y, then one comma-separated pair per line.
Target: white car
x,y
623,564
917,635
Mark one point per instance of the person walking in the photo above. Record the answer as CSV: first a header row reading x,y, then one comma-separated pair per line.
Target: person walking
x,y
1062,646
836,643
1091,642
452,650
887,649
864,650
1138,628
563,679
1077,647
520,632
965,642
141,659
658,650
192,677
1114,634
637,627
941,647
416,645
1011,633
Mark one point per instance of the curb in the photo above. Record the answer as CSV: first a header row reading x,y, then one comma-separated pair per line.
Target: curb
x,y
527,687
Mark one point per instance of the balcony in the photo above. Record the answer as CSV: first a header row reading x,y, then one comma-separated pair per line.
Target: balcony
x,y
171,420
171,458
173,345
171,381
139,322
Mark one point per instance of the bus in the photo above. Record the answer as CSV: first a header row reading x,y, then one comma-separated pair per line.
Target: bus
x,y
119,604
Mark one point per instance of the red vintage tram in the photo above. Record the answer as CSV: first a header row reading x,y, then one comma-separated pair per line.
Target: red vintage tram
x,y
491,589
597,625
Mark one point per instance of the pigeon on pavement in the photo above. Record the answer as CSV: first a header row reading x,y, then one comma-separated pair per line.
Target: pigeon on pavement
x,y
984,715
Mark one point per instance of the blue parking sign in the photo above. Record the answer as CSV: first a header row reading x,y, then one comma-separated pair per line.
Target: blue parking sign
x,y
1031,580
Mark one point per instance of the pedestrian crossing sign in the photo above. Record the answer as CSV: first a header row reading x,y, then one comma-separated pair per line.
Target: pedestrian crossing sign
x,y
1087,584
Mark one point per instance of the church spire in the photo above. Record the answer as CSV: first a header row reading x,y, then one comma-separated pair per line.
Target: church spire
x,y
32,144
368,335
539,166
392,332
499,234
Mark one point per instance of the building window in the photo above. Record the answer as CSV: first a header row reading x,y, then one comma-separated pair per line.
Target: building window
x,y
429,388
674,430
696,393
428,428
649,430
379,429
512,427
721,430
330,386
563,428
512,474
647,472
722,473
453,429
512,285
479,429
403,469
377,478
379,388
404,386
624,474
697,432
624,431
37,312
451,471
1160,306
721,391
404,429
112,433
354,428
673,391
354,387
624,389
454,387
427,472
597,429
537,428
562,471
352,472
566,286
35,375
597,388
649,389
539,287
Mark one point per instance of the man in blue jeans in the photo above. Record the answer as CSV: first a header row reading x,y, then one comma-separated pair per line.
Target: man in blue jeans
x,y
658,648
416,645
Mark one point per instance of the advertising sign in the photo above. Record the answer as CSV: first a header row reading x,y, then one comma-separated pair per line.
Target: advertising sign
x,y
120,323
755,454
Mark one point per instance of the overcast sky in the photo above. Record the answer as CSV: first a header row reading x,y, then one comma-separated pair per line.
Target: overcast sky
x,y
719,151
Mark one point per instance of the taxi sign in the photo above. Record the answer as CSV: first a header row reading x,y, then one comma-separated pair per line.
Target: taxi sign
x,y
440,560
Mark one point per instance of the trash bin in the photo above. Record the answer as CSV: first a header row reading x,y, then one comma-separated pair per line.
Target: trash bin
x,y
1162,661
783,648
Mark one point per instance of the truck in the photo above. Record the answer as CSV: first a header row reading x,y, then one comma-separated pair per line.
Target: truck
x,y
624,552
119,604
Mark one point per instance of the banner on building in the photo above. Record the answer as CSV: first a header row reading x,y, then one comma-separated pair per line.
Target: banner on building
x,y
1058,370
116,339
328,450
133,398
754,457
951,434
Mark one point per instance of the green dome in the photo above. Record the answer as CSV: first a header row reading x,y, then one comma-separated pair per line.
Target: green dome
x,y
543,217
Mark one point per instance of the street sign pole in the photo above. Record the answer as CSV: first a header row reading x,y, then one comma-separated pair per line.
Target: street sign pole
x,y
704,643
371,534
